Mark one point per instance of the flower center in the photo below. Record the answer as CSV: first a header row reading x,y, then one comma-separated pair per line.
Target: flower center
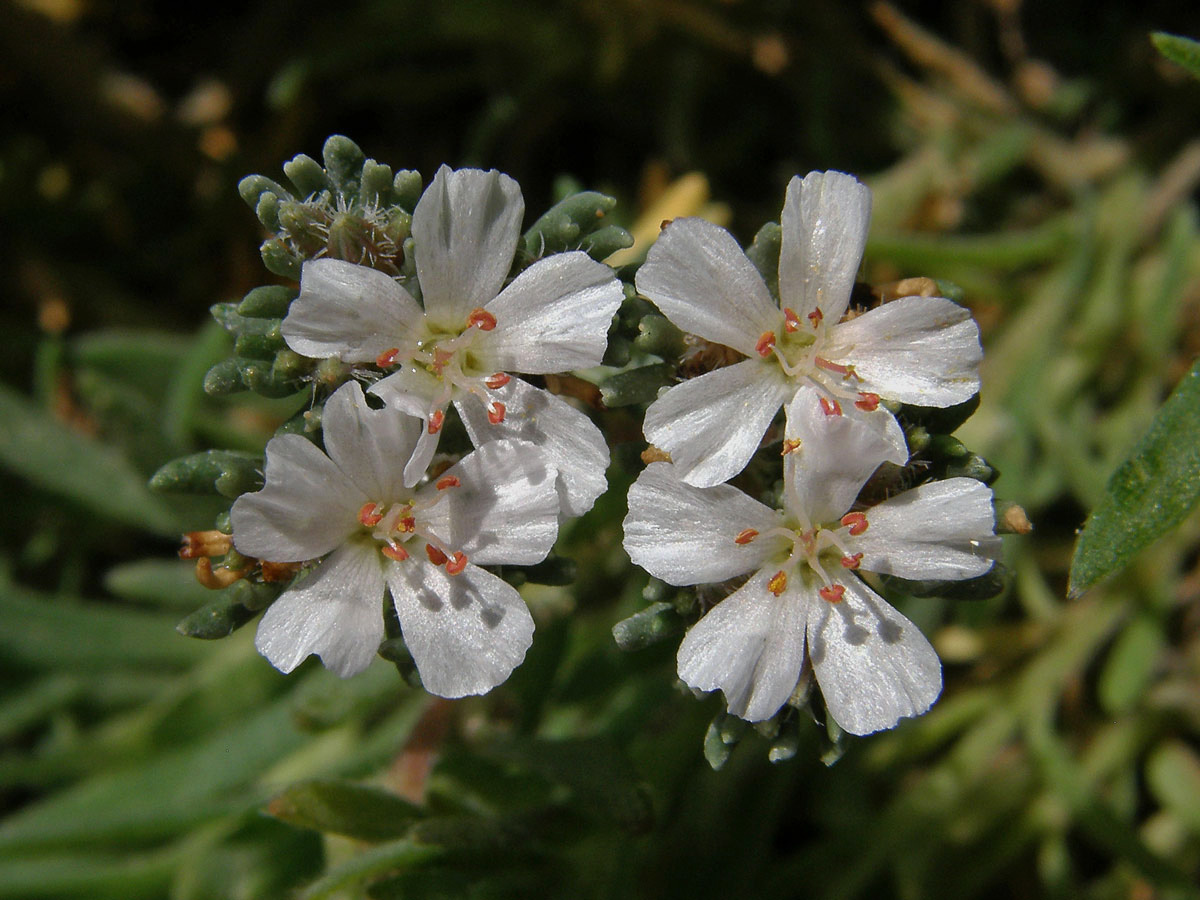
x,y
817,554
397,528
453,358
797,346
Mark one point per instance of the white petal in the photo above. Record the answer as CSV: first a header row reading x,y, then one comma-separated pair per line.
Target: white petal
x,y
306,508
873,665
352,312
505,509
825,220
417,393
336,612
750,646
685,535
702,281
942,530
554,317
369,445
712,425
837,455
465,230
567,439
418,464
465,632
920,350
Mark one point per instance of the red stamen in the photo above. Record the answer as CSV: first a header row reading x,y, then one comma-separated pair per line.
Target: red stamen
x,y
830,407
371,514
447,481
436,556
745,536
852,562
407,525
815,317
867,401
498,380
832,592
856,522
791,321
791,445
822,363
436,418
456,564
481,319
398,553
387,358
778,583
765,344
495,411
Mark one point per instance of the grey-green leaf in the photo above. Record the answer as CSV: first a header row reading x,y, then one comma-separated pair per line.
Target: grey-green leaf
x,y
1149,493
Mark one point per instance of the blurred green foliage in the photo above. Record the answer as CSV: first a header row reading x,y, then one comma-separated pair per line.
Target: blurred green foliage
x,y
1043,159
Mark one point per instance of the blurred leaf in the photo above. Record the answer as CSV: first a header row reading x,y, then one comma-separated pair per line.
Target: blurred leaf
x,y
1149,493
385,858
355,810
57,633
179,789
76,467
1178,49
1173,774
121,876
163,582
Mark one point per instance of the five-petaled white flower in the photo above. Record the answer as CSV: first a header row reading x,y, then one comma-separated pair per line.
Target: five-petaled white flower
x,y
803,599
466,628
919,350
473,332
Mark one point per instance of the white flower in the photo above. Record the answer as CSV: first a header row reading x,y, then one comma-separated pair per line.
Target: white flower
x,y
473,331
919,350
803,599
466,628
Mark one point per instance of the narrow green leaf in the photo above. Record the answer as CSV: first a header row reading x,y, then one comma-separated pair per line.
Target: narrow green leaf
x,y
342,807
385,858
1178,49
61,634
1149,493
77,467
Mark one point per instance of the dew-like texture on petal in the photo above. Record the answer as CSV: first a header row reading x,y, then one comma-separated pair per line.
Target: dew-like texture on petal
x,y
505,509
465,230
919,350
554,317
942,530
685,535
702,281
837,455
466,632
750,646
825,220
873,665
348,311
567,439
336,612
306,508
712,425
370,446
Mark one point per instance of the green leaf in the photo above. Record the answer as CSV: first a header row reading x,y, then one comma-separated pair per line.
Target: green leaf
x,y
1178,49
341,807
77,467
1173,774
1149,493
